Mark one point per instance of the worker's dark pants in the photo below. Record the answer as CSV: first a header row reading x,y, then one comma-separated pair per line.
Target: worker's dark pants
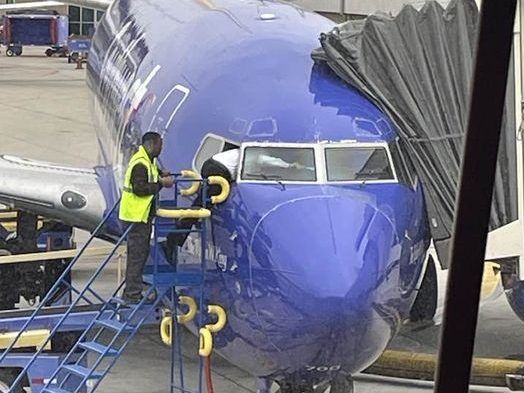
x,y
138,246
209,168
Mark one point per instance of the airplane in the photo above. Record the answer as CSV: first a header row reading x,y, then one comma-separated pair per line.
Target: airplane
x,y
318,264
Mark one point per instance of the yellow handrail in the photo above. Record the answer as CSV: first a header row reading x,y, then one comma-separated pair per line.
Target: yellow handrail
x,y
190,315
166,325
206,343
195,186
166,330
224,185
221,318
183,213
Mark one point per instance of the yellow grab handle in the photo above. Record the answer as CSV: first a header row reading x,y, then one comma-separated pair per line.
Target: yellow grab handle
x,y
183,213
166,330
195,186
206,343
190,315
221,318
224,185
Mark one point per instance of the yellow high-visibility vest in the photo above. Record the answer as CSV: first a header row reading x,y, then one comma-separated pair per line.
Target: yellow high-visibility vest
x,y
134,208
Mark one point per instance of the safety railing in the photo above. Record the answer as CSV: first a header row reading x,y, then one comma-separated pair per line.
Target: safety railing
x,y
167,212
198,213
61,281
129,326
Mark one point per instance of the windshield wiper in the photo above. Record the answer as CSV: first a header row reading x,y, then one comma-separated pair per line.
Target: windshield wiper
x,y
370,174
276,178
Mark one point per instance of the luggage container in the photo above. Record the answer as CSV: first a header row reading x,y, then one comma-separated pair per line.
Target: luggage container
x,y
37,30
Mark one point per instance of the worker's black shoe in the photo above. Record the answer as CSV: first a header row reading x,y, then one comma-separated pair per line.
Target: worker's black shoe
x,y
131,300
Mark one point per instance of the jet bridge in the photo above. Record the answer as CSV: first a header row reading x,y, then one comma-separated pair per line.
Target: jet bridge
x,y
432,130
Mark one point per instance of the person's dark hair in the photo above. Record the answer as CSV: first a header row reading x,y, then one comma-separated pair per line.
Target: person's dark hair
x,y
150,137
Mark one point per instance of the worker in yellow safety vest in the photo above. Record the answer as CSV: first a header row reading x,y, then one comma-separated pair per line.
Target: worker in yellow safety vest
x,y
143,181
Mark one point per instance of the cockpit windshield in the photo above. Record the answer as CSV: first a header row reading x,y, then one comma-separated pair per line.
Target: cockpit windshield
x,y
358,164
279,163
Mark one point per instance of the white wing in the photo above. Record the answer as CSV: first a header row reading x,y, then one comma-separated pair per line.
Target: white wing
x,y
72,195
100,4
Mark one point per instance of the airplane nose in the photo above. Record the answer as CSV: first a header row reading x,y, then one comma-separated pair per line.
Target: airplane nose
x,y
324,246
323,281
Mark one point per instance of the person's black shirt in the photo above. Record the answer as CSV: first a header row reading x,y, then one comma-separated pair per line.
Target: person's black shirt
x,y
140,182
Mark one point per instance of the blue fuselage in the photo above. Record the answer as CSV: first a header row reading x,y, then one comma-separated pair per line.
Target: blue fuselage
x,y
314,277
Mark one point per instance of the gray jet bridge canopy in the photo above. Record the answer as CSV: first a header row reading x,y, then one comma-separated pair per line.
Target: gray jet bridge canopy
x,y
418,67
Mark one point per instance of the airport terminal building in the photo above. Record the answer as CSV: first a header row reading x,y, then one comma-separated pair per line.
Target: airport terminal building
x,y
82,20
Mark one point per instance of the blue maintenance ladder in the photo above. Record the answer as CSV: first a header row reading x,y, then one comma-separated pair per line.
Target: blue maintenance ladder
x,y
194,276
111,329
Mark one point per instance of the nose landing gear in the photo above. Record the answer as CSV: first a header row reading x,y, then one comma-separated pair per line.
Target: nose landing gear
x,y
340,384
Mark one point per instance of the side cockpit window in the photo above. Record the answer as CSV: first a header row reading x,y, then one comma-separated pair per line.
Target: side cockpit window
x,y
358,164
405,172
212,144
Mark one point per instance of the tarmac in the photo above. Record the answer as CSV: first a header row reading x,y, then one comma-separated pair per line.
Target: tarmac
x,y
44,115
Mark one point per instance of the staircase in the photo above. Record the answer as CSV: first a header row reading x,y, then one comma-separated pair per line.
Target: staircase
x,y
114,325
103,342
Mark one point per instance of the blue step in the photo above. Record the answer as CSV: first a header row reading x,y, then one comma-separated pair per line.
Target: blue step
x,y
112,324
82,371
99,348
164,231
55,390
172,279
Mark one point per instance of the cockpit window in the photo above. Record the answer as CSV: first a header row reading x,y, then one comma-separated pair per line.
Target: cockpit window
x,y
279,163
211,145
358,164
